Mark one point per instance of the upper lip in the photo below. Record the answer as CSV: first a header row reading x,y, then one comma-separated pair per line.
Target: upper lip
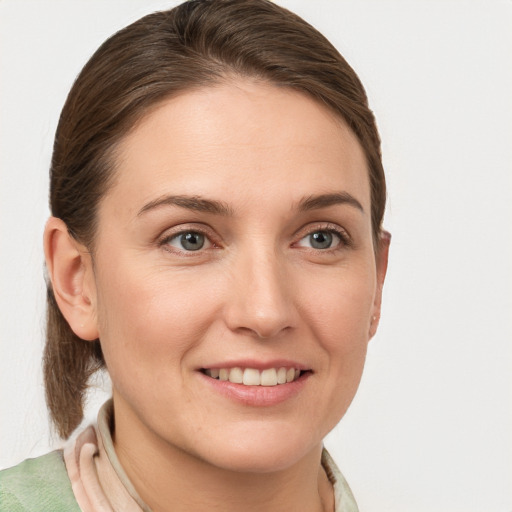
x,y
257,364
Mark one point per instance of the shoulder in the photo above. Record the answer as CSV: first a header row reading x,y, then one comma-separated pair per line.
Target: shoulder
x,y
40,484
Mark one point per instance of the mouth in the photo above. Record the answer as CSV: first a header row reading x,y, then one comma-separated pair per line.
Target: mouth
x,y
254,377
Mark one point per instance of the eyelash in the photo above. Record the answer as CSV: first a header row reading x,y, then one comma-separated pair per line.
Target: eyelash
x,y
164,242
345,241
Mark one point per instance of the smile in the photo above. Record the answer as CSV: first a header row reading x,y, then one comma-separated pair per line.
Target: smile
x,y
254,377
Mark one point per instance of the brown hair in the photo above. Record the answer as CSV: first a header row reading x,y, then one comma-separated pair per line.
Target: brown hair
x,y
200,42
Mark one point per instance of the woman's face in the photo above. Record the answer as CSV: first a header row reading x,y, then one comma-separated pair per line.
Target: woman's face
x,y
236,244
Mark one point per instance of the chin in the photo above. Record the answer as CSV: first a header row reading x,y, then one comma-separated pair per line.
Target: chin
x,y
256,461
266,452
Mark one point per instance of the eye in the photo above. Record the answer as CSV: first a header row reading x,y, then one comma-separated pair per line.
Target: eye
x,y
321,239
188,241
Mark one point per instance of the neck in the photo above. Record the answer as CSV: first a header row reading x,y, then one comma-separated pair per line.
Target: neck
x,y
168,478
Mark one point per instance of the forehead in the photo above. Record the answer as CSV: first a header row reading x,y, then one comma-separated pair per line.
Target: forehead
x,y
238,137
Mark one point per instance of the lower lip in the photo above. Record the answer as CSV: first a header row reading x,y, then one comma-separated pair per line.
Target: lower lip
x,y
257,396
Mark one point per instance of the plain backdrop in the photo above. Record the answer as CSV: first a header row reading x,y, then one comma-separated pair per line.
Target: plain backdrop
x,y
431,427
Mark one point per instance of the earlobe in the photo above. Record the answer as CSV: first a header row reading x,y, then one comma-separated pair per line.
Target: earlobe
x,y
382,266
70,270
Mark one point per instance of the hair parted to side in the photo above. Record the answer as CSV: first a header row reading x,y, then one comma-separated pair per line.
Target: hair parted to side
x,y
198,43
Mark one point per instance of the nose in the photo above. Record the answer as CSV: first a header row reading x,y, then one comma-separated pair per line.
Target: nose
x,y
260,299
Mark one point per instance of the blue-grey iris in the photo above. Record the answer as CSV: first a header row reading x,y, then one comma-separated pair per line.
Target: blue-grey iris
x,y
320,240
192,241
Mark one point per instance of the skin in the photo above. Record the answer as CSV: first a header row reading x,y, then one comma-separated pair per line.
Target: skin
x,y
257,290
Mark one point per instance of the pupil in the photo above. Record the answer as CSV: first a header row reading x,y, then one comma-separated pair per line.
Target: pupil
x,y
321,240
192,241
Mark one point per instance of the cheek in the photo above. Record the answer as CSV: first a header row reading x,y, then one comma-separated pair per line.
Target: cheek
x,y
149,321
339,309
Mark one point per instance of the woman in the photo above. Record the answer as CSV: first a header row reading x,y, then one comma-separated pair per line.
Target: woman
x,y
217,196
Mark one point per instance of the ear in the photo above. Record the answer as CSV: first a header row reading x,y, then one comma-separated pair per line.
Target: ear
x,y
382,266
70,270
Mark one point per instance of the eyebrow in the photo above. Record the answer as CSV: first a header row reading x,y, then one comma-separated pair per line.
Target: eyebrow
x,y
195,203
324,200
200,204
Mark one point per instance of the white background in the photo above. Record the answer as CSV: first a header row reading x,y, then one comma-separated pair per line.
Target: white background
x,y
431,427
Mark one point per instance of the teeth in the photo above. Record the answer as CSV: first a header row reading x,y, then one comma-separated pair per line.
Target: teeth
x,y
269,377
236,375
281,376
253,377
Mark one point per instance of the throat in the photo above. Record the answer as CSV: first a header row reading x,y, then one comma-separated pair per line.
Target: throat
x,y
196,485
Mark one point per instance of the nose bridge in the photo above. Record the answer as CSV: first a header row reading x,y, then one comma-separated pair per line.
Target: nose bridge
x,y
260,301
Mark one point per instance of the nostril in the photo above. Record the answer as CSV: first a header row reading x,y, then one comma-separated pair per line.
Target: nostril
x,y
261,306
264,333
